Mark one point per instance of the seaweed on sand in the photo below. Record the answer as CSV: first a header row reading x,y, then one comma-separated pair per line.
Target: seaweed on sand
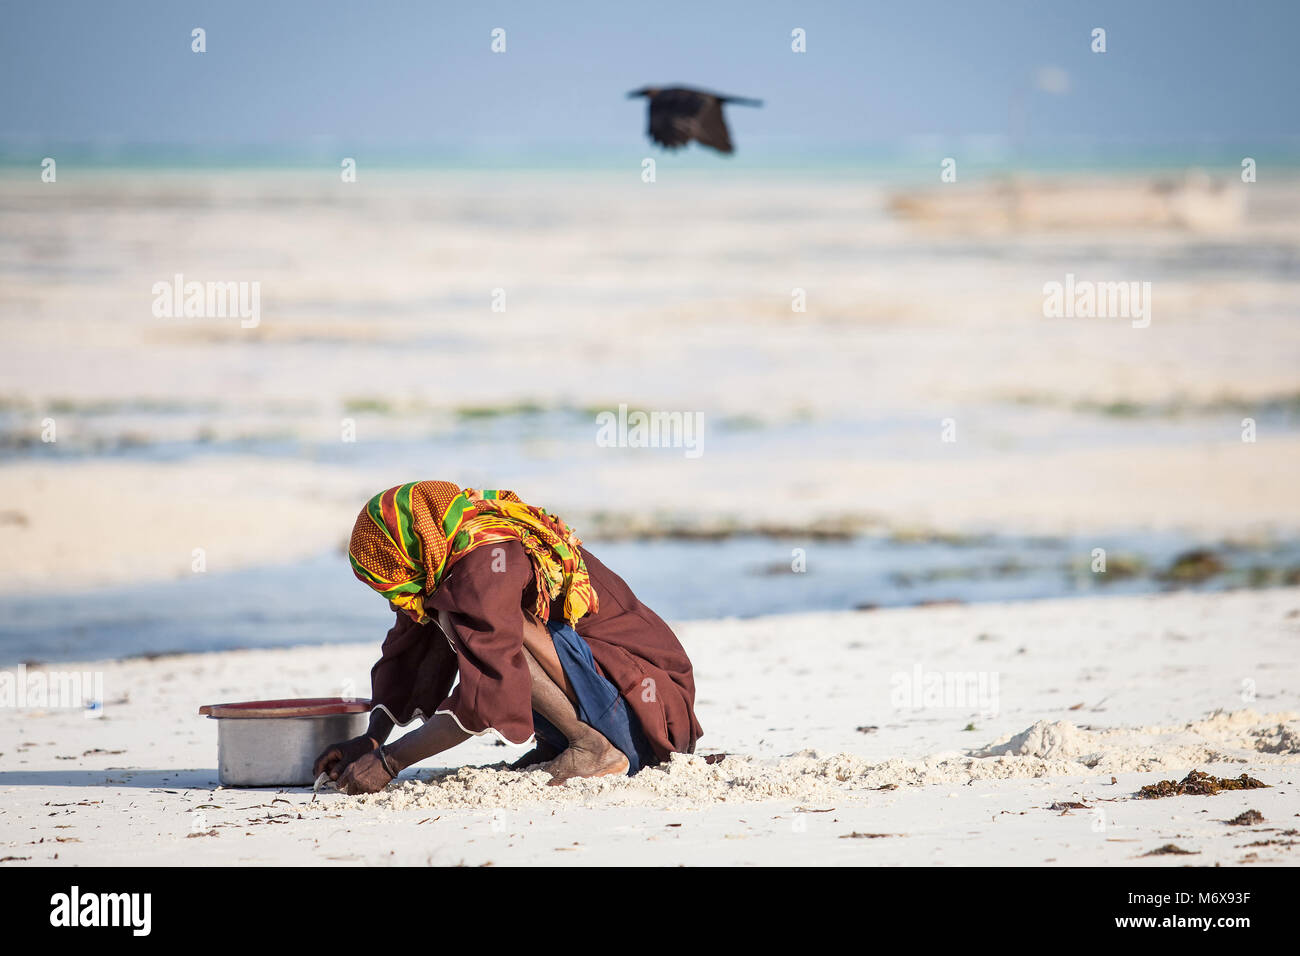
x,y
1170,849
1198,784
855,835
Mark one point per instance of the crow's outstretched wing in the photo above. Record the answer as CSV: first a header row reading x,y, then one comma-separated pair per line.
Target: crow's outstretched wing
x,y
711,128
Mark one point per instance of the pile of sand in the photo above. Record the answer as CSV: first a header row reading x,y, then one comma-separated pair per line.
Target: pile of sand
x,y
1048,741
1045,749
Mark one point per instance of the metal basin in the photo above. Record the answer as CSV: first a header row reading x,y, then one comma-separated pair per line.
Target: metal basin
x,y
272,743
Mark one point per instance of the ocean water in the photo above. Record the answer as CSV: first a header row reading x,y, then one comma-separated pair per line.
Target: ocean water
x,y
674,295
744,576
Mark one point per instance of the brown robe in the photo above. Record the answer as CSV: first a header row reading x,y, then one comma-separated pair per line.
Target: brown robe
x,y
484,595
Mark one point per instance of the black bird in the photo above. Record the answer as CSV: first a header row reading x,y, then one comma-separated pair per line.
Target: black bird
x,y
679,115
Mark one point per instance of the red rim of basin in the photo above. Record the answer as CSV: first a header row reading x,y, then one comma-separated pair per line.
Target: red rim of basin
x,y
289,707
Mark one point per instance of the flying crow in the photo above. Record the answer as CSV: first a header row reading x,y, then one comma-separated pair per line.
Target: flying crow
x,y
679,115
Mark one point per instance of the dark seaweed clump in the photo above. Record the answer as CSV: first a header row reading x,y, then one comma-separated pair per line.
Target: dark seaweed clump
x,y
1198,784
1171,849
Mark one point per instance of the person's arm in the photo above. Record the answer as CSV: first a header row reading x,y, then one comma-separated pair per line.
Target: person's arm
x,y
440,732
381,725
478,607
415,670
336,758
373,771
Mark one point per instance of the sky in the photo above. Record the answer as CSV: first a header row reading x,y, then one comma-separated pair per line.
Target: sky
x,y
327,75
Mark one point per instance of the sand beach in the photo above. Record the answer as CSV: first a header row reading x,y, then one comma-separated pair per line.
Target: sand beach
x,y
846,756
957,456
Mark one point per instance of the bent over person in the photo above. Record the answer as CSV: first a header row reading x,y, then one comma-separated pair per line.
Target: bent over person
x,y
550,646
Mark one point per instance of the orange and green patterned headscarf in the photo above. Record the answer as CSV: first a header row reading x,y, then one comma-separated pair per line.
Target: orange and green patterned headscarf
x,y
407,538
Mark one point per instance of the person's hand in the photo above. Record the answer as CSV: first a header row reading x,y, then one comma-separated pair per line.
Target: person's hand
x,y
366,774
336,758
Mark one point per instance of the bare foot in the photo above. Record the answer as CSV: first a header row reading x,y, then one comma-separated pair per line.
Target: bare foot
x,y
590,757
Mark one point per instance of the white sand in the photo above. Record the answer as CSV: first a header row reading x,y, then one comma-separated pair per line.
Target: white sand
x,y
136,522
1047,749
1135,689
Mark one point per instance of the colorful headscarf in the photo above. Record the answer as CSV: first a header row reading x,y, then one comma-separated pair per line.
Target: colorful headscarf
x,y
407,538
